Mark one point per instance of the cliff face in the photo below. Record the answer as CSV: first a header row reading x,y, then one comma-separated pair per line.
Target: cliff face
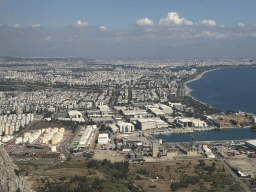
x,y
9,181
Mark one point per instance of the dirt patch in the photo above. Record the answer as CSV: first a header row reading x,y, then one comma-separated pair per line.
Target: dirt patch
x,y
243,163
113,156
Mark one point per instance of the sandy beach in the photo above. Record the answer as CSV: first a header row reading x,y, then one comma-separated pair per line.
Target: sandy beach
x,y
199,76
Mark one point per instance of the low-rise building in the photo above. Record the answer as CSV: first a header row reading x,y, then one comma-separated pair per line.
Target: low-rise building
x,y
144,124
125,127
103,138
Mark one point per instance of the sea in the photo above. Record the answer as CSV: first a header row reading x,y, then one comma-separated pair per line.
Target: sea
x,y
210,135
224,89
227,89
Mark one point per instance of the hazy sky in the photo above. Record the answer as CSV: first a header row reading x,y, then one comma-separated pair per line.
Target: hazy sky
x,y
128,28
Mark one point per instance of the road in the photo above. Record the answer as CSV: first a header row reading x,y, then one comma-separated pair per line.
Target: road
x,y
67,144
64,147
231,172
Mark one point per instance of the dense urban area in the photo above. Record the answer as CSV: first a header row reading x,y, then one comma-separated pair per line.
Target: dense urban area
x,y
73,124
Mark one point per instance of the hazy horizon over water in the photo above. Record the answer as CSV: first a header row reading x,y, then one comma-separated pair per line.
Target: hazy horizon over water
x,y
227,89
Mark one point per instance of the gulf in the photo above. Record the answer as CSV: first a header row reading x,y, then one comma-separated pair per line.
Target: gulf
x,y
227,89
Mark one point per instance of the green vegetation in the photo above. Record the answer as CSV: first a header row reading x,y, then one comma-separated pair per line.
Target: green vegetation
x,y
83,184
207,174
253,183
115,178
185,182
17,172
92,175
50,155
143,171
88,154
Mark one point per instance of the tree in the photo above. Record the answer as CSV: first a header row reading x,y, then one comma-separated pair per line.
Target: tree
x,y
201,163
17,172
69,158
133,146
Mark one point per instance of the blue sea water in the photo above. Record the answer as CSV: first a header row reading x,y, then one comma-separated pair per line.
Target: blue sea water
x,y
227,89
211,135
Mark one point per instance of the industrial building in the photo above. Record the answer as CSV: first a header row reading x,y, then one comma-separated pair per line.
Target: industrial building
x,y
71,115
251,144
177,106
113,128
45,136
155,148
125,127
87,134
144,124
156,111
135,114
160,123
93,113
76,116
105,111
102,119
103,138
172,153
166,109
151,123
208,152
190,122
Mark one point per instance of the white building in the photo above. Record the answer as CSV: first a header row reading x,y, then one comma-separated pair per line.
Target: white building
x,y
125,127
114,128
251,144
166,109
144,124
76,116
103,138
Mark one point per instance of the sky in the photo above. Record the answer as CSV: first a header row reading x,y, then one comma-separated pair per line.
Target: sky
x,y
116,29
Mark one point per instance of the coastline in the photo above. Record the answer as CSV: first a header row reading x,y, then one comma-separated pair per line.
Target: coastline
x,y
199,76
188,90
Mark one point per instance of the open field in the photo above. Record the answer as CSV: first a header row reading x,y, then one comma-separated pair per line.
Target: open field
x,y
113,156
67,169
162,175
182,176
243,163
